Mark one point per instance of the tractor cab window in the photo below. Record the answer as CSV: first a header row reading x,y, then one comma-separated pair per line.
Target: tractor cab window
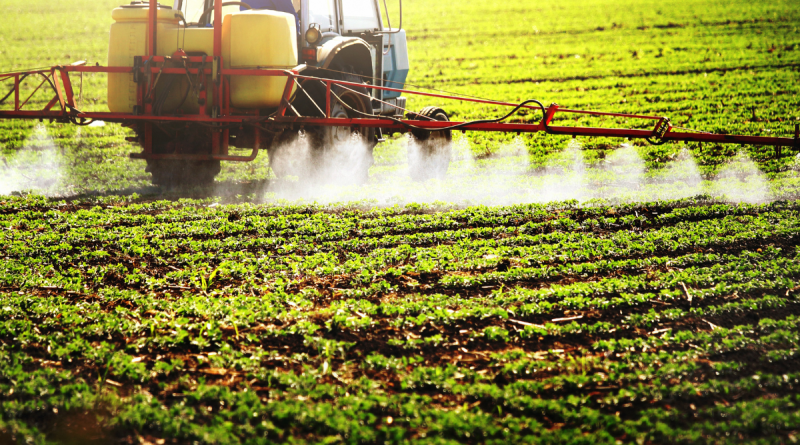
x,y
360,15
323,13
191,9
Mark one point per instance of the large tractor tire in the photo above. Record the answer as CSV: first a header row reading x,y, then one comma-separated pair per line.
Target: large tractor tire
x,y
429,152
335,154
288,155
182,174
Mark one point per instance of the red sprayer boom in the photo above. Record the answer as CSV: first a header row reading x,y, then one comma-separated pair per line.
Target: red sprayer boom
x,y
58,80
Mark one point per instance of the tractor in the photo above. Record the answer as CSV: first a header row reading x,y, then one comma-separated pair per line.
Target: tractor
x,y
343,40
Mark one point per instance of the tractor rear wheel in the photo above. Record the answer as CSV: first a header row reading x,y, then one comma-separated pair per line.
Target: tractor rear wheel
x,y
335,154
288,155
429,152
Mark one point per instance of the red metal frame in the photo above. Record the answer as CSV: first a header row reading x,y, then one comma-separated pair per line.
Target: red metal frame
x,y
223,115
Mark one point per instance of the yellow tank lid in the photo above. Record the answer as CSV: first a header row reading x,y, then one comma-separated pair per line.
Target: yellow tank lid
x,y
127,14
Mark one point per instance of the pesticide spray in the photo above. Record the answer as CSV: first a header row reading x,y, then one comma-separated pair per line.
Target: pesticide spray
x,y
507,176
680,179
34,167
740,180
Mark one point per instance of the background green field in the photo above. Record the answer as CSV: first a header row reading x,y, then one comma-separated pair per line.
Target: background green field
x,y
133,320
721,67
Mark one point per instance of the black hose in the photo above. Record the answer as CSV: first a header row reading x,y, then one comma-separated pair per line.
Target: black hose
x,y
546,126
661,142
83,122
162,98
188,90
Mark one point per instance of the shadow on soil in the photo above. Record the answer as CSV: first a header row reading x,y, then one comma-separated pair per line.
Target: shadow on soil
x,y
228,191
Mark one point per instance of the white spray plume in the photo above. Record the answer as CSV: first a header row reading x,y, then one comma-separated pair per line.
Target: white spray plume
x,y
563,177
620,175
680,179
505,177
315,175
740,180
35,167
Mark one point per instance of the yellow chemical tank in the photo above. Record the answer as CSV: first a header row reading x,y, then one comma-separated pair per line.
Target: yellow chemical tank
x,y
250,39
128,39
258,39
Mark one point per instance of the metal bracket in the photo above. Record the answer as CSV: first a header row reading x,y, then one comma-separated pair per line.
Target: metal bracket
x,y
551,111
137,64
662,127
216,71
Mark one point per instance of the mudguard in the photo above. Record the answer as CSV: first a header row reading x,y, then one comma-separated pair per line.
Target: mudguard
x,y
351,51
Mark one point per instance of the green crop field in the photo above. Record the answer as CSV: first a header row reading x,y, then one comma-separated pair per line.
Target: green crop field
x,y
547,291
